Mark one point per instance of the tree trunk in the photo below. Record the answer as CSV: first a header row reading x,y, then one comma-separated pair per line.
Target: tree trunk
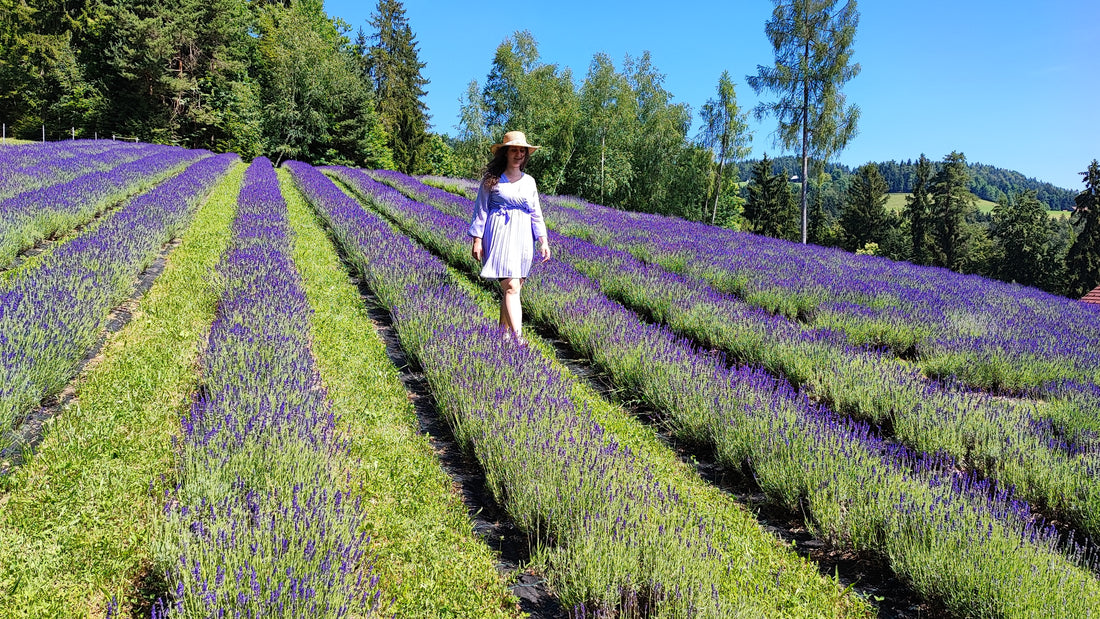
x,y
805,138
717,191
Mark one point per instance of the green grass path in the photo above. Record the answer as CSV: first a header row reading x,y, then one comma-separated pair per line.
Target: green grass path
x,y
428,557
76,518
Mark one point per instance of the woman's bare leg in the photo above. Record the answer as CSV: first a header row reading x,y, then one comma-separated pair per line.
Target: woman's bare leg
x,y
511,315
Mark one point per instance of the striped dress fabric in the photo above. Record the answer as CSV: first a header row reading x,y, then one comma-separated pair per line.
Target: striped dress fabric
x,y
508,219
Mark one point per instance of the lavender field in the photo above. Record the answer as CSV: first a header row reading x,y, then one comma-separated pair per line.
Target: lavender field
x,y
220,380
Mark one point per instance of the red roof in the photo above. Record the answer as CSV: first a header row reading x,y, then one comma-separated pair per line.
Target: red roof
x,y
1092,297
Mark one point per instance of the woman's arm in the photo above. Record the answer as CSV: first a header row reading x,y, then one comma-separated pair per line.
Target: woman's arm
x,y
481,212
538,224
477,224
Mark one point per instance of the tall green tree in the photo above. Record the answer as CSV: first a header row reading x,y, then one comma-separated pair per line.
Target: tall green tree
x,y
473,142
687,196
812,41
317,108
864,216
395,71
522,94
770,207
1083,259
662,132
724,132
918,211
602,166
1021,230
952,202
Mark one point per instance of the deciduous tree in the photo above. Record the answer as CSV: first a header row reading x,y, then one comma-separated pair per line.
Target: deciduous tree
x,y
521,94
724,132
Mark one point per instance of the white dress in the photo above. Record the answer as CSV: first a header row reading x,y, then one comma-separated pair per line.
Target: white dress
x,y
508,219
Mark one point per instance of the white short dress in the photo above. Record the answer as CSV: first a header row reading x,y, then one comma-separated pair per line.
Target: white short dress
x,y
508,219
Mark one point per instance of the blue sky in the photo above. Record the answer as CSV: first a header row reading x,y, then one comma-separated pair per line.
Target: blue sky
x,y
1012,84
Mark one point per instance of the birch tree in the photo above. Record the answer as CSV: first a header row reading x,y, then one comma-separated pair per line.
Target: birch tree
x,y
724,132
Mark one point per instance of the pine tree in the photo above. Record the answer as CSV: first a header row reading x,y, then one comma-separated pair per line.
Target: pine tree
x,y
770,207
1083,259
1020,228
812,40
952,201
918,210
394,69
864,216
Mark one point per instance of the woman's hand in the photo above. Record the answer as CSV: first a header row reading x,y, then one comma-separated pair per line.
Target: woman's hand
x,y
475,251
544,249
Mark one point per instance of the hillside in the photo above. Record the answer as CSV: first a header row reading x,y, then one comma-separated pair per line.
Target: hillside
x,y
989,183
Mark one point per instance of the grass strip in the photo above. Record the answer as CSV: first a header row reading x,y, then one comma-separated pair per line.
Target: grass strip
x,y
967,543
613,534
427,556
76,519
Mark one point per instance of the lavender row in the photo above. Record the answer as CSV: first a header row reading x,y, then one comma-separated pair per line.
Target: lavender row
x,y
611,532
965,541
1003,439
261,524
35,215
53,312
989,333
13,157
65,162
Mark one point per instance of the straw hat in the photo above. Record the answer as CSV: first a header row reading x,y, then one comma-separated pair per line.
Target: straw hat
x,y
514,138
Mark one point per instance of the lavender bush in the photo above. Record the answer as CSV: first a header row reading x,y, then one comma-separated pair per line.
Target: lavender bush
x,y
1007,440
52,313
35,215
262,523
615,538
968,542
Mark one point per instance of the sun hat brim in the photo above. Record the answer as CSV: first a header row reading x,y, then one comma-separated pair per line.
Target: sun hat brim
x,y
514,138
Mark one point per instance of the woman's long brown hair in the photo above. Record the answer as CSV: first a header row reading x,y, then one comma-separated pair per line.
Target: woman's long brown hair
x,y
490,175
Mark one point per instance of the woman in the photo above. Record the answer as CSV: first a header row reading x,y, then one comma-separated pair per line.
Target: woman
x,y
507,220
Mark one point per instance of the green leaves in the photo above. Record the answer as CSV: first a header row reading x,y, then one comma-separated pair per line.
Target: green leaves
x,y
812,40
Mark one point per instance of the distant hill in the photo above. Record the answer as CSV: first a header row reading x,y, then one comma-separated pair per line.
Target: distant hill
x,y
987,182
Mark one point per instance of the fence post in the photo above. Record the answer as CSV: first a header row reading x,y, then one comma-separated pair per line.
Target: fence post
x,y
43,134
73,129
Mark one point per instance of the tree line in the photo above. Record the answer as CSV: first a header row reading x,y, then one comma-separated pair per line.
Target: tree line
x,y
283,79
621,140
939,223
273,77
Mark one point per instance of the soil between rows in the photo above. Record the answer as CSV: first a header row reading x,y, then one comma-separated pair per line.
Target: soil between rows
x,y
491,524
